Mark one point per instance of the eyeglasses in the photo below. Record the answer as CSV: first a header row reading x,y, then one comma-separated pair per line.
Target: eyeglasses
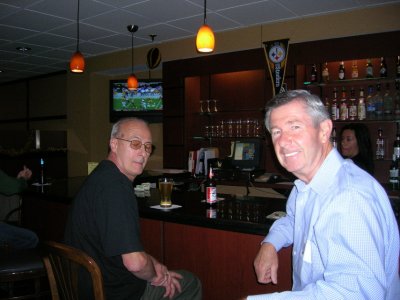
x,y
137,144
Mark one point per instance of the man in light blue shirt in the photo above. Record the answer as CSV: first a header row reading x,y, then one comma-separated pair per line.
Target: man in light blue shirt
x,y
339,219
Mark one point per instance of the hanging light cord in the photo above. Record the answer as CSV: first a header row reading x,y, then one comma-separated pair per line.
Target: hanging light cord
x,y
77,29
205,15
132,53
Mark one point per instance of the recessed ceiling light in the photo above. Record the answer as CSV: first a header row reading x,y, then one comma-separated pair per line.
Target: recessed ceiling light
x,y
23,48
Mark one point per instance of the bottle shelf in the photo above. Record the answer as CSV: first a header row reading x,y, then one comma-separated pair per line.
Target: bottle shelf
x,y
360,81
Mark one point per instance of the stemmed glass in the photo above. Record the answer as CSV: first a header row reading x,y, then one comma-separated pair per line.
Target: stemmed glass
x,y
215,105
201,106
208,106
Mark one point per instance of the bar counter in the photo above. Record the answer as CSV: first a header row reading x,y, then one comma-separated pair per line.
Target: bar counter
x,y
244,214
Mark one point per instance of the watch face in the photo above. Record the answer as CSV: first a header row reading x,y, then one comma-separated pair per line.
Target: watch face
x,y
276,54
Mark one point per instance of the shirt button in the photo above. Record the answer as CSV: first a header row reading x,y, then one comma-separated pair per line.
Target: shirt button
x,y
294,252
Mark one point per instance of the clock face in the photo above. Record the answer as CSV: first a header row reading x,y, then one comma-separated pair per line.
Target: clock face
x,y
276,54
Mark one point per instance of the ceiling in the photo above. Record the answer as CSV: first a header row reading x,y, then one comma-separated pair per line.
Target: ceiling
x,y
49,28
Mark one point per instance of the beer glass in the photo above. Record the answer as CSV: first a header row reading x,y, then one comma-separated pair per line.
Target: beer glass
x,y
165,186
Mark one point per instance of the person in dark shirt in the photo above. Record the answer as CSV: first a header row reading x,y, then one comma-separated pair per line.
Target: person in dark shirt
x,y
13,236
356,145
104,223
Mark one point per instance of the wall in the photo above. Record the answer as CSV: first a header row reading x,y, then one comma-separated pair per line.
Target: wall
x,y
87,94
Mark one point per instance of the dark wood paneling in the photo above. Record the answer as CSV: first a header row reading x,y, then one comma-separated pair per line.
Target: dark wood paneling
x,y
229,255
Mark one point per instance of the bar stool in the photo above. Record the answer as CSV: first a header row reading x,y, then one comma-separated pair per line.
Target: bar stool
x,y
22,274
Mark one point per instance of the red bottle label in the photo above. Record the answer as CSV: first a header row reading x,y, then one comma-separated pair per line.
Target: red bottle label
x,y
211,194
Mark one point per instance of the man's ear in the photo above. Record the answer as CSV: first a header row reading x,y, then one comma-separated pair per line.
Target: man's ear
x,y
113,144
326,130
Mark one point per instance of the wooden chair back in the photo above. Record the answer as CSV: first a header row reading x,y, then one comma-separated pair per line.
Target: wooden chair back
x,y
62,264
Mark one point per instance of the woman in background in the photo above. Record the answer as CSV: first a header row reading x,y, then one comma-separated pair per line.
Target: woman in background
x,y
356,145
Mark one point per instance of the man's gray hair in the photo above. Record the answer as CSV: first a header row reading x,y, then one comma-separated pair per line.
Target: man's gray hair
x,y
115,131
314,106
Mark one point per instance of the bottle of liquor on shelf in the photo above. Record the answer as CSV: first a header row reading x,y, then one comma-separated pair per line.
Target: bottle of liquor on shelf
x,y
387,101
334,138
210,188
342,73
396,99
394,173
314,77
370,103
383,68
380,145
354,69
334,106
327,104
344,110
369,69
378,99
396,143
398,67
352,105
361,110
325,73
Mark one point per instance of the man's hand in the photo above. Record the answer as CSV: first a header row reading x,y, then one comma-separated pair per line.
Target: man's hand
x,y
25,173
266,264
167,279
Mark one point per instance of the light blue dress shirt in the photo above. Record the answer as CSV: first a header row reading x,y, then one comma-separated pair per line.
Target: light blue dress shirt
x,y
344,234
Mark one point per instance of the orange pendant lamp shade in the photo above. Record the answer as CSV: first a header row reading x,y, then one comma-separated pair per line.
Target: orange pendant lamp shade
x,y
132,82
77,63
205,40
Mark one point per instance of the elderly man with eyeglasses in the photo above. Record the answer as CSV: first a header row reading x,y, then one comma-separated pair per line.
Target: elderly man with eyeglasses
x,y
104,222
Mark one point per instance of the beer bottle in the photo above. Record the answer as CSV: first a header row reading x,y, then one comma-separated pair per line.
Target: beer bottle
x,y
369,70
352,105
313,73
341,71
383,68
344,110
210,188
334,106
325,73
361,110
396,144
380,145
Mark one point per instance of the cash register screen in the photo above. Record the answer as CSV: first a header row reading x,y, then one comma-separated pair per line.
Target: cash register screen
x,y
247,154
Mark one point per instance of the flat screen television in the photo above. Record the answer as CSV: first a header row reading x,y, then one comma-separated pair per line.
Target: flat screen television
x,y
145,102
247,154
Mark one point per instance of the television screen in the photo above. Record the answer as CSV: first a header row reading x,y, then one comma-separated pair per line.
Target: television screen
x,y
145,102
247,154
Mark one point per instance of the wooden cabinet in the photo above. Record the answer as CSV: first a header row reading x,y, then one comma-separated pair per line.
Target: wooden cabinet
x,y
223,260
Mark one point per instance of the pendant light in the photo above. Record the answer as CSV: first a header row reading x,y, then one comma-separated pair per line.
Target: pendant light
x,y
132,79
205,40
77,62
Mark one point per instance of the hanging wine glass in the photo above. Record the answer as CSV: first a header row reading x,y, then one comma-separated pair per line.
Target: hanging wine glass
x,y
215,105
208,106
201,106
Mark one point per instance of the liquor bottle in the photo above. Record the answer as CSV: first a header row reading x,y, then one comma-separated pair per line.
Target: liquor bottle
x,y
369,70
314,73
342,72
334,138
387,101
325,73
370,103
396,99
344,110
383,68
394,173
380,145
210,188
354,69
334,106
352,105
396,143
361,110
378,100
327,104
398,67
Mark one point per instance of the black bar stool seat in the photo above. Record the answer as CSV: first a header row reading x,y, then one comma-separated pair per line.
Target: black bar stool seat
x,y
26,267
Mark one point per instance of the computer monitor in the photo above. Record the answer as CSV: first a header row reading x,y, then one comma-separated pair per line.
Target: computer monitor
x,y
247,154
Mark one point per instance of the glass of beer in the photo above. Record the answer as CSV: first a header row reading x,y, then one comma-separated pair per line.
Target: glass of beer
x,y
165,186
